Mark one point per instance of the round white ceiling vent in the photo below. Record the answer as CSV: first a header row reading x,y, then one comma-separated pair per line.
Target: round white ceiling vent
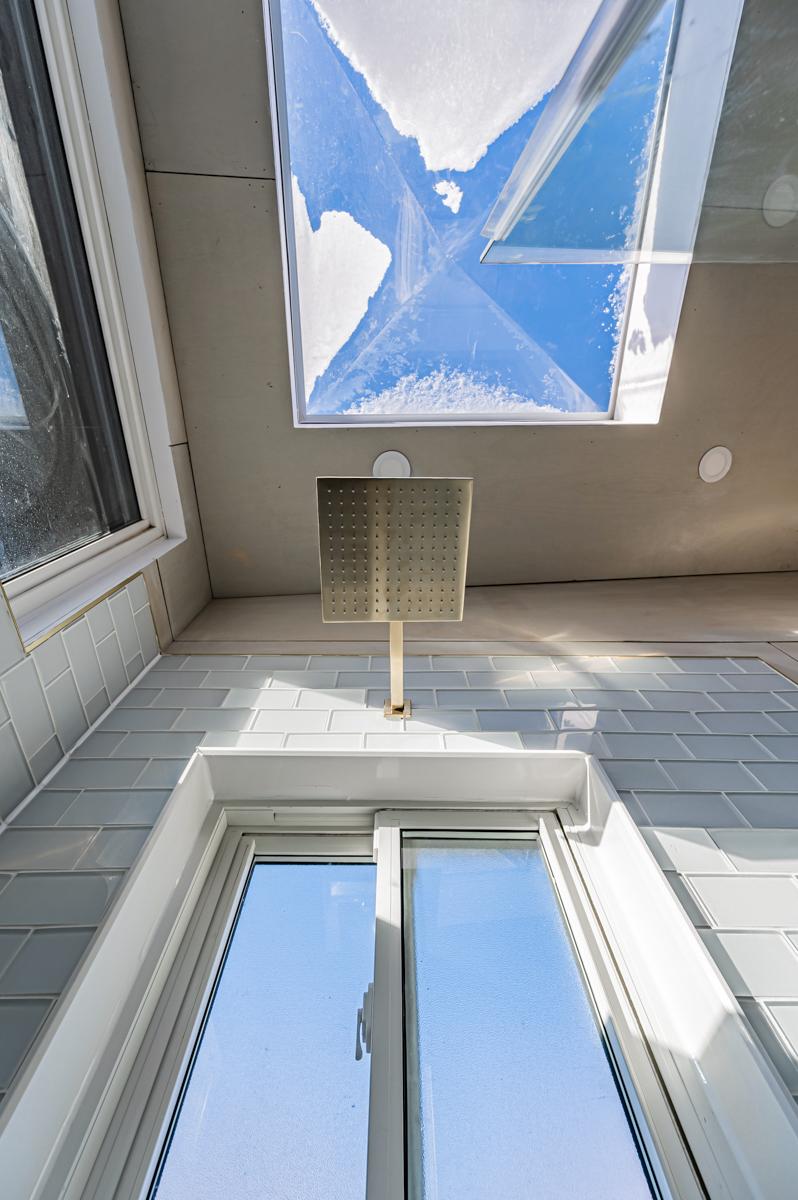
x,y
391,464
715,464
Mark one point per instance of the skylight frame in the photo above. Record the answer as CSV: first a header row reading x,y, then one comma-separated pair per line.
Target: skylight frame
x,y
639,379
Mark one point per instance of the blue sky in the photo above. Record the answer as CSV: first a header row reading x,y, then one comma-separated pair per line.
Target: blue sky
x,y
429,325
518,1099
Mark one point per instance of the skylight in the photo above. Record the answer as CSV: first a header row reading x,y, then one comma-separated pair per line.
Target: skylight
x,y
399,125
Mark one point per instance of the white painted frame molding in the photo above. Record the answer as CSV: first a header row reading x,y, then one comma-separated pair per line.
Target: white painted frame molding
x,y
78,1122
88,70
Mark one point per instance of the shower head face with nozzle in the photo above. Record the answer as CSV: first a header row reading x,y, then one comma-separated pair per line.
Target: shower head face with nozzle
x,y
393,549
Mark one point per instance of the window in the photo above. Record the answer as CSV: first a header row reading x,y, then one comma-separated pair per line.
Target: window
x,y
488,1071
410,135
65,479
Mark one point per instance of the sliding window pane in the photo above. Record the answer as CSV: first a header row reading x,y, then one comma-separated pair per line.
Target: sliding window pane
x,y
275,1105
64,474
510,1092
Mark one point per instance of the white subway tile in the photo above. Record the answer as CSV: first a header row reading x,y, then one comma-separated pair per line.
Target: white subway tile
x,y
748,901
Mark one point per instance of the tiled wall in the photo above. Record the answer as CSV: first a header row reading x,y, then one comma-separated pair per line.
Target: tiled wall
x,y
704,752
49,698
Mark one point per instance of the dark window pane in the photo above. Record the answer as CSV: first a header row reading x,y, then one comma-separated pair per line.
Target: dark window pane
x,y
64,472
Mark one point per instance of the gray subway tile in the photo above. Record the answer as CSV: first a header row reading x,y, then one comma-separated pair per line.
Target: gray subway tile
x,y
630,681
162,773
687,900
24,697
663,722
461,662
757,964
100,773
710,776
182,679
255,681
700,666
484,741
697,683
667,701
125,626
575,739
46,962
50,659
83,659
413,662
168,662
190,698
67,710
429,679
441,720
340,698
148,639
788,721
45,809
159,745
501,679
130,720
76,898
219,662
647,663
469,699
324,741
359,721
116,808
604,698
11,941
775,776
202,720
113,668
769,810
754,683
748,901
774,851
114,848
96,705
644,745
746,701
740,722
20,1021
294,721
631,774
517,720
264,698
244,741
688,809
142,697
43,761
523,662
335,662
753,666
782,747
717,746
134,667
527,698
42,849
100,622
11,650
771,1041
268,662
16,778
100,744
601,720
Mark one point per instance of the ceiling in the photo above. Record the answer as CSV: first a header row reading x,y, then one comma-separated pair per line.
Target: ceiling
x,y
550,503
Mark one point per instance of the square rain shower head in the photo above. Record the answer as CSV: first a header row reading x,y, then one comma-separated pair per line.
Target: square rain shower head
x,y
393,549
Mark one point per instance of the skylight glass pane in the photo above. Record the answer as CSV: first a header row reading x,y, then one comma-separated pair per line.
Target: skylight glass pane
x,y
276,1105
595,196
510,1091
398,125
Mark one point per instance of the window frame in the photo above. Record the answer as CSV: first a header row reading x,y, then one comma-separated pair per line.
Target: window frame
x,y
639,381
91,88
91,1100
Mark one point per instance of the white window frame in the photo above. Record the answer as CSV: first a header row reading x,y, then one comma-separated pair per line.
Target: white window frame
x,y
77,1121
91,88
643,356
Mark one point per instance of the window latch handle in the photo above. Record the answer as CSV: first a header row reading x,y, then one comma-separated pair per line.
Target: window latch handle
x,y
363,1027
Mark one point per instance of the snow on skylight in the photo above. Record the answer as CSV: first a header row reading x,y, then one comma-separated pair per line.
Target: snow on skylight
x,y
404,119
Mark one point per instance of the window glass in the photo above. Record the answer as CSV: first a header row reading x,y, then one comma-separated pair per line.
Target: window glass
x,y
399,125
510,1092
276,1105
64,473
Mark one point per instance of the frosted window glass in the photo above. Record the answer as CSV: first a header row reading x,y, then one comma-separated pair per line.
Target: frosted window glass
x,y
510,1093
276,1107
